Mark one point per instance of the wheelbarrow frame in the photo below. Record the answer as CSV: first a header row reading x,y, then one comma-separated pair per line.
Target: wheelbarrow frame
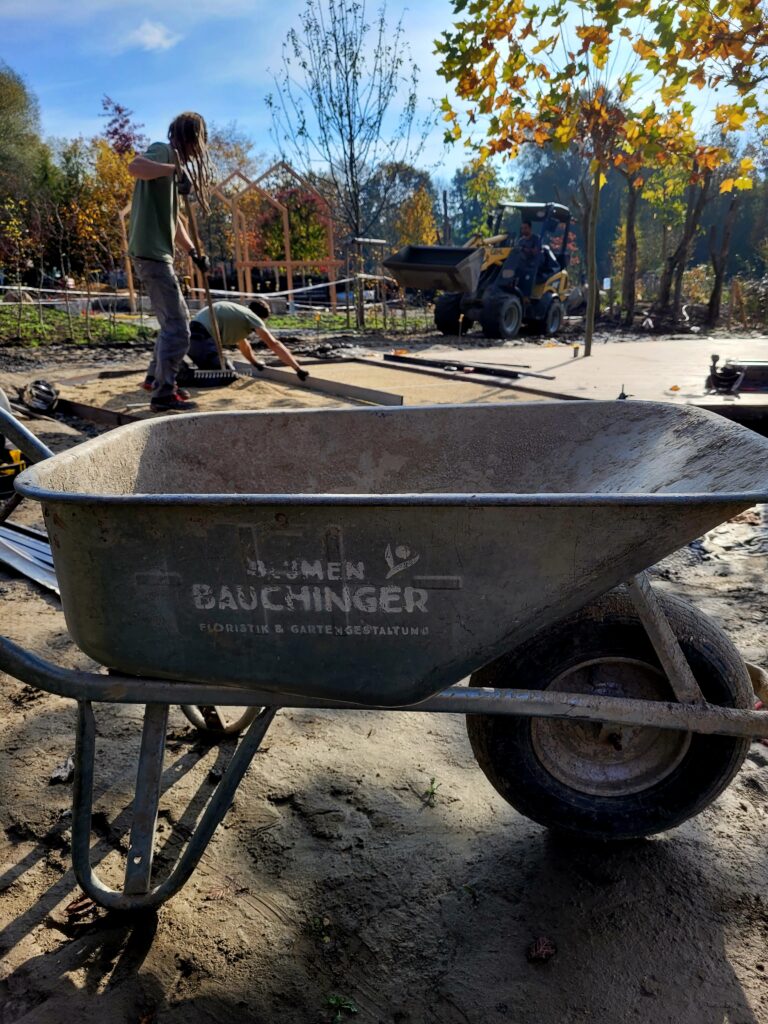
x,y
690,713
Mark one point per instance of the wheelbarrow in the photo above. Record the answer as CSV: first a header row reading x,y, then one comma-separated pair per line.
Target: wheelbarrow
x,y
376,558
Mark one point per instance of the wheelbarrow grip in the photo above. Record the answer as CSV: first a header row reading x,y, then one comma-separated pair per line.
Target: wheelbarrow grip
x,y
24,439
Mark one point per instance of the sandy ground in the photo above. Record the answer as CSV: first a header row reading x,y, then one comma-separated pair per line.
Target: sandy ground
x,y
335,883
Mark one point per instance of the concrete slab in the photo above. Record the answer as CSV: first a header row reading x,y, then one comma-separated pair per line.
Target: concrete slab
x,y
670,370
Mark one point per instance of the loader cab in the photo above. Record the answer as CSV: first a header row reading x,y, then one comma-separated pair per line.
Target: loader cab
x,y
550,223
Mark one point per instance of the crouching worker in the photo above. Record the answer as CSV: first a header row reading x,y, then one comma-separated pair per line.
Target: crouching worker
x,y
236,323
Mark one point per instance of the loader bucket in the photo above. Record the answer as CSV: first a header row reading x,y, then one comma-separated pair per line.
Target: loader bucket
x,y
445,268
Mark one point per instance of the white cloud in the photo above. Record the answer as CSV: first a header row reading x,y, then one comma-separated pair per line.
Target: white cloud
x,y
150,35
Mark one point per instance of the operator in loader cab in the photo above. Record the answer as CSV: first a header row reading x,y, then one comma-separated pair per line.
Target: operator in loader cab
x,y
527,243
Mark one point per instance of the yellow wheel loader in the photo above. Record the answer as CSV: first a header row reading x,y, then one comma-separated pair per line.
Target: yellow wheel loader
x,y
516,276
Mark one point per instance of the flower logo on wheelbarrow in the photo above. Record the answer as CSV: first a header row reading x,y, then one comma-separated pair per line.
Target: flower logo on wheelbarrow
x,y
406,559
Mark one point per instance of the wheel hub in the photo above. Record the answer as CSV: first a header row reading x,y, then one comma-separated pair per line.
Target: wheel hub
x,y
603,759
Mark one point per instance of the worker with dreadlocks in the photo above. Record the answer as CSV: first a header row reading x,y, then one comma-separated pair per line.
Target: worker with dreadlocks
x,y
155,229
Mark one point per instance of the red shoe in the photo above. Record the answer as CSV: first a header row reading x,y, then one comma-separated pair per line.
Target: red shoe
x,y
183,394
171,403
148,383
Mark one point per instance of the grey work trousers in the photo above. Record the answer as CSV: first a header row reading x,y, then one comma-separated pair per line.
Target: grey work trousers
x,y
162,286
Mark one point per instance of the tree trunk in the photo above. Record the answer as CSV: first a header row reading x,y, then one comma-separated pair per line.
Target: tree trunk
x,y
675,264
719,261
629,281
593,292
677,300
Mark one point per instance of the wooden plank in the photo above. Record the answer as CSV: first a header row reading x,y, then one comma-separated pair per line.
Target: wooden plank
x,y
321,384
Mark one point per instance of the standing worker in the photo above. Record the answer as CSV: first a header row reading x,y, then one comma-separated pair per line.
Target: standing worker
x,y
235,324
155,228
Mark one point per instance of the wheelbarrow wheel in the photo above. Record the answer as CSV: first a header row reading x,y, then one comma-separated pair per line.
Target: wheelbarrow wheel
x,y
601,780
219,721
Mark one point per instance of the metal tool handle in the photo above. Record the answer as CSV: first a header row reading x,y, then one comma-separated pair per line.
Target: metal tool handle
x,y
24,439
198,245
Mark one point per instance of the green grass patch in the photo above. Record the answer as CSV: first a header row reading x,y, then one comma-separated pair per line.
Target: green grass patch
x,y
30,326
415,319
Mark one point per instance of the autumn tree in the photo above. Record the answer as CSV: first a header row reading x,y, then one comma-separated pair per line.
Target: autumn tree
x,y
476,191
346,102
123,134
399,181
19,134
568,73
415,222
231,149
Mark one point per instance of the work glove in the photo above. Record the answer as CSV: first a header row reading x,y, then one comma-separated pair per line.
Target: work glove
x,y
183,184
201,262
302,375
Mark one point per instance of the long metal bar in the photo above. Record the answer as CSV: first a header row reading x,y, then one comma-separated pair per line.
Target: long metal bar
x,y
95,413
195,234
326,387
138,865
82,809
668,650
115,689
484,368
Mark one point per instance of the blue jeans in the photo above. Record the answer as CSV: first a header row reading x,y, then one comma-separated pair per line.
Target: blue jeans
x,y
162,286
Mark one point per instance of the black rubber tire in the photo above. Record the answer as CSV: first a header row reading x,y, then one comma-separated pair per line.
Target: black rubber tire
x,y
504,747
502,317
553,320
448,318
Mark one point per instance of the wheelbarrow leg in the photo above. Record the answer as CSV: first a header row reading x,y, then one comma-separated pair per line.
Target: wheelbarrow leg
x,y
664,641
146,804
138,867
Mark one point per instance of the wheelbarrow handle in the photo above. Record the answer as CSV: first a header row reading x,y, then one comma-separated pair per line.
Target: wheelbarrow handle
x,y
24,439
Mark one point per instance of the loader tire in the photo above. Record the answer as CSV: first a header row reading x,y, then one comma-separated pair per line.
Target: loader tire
x,y
502,317
553,320
448,317
601,781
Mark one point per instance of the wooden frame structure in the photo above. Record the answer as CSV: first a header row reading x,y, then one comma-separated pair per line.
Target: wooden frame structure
x,y
243,262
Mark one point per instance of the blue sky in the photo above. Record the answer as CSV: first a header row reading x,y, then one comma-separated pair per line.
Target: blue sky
x,y
160,58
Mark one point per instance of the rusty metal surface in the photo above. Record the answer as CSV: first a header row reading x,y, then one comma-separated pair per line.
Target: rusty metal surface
x,y
371,556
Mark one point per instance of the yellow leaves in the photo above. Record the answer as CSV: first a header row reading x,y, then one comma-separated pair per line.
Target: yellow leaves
x,y
415,222
746,166
743,184
544,44
727,185
644,49
710,159
670,93
731,115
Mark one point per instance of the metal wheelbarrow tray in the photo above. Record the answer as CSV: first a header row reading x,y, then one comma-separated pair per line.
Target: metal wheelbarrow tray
x,y
374,558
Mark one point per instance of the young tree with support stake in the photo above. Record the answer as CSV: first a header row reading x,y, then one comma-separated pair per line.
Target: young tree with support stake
x,y
346,103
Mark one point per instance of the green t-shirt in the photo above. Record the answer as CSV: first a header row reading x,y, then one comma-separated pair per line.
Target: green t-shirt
x,y
154,210
235,322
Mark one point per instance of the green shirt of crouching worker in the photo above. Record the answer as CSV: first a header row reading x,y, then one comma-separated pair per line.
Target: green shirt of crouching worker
x,y
236,324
